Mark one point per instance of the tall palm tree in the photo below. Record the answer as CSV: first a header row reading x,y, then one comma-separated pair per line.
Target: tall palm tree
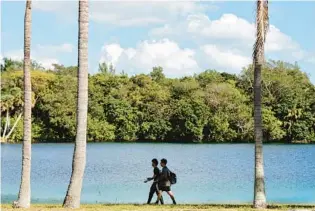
x,y
72,199
24,199
262,24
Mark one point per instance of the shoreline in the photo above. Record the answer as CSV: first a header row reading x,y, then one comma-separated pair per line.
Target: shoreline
x,y
161,142
179,207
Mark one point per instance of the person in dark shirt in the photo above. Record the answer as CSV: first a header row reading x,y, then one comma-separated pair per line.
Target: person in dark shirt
x,y
154,186
164,183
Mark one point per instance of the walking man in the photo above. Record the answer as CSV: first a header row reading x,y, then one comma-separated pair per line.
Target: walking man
x,y
164,183
154,186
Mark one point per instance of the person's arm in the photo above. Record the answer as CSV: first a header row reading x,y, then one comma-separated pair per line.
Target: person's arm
x,y
151,178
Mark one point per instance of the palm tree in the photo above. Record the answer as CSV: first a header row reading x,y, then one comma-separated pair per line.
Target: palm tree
x,y
262,24
24,199
11,102
72,199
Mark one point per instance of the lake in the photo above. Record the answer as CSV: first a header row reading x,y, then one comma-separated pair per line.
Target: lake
x,y
207,173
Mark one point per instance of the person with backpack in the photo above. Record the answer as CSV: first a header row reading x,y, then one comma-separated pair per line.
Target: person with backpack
x,y
165,180
154,186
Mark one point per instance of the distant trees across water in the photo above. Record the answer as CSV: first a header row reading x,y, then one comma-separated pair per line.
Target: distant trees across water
x,y
207,107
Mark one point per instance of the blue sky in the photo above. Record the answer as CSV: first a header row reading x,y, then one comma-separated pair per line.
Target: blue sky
x,y
182,37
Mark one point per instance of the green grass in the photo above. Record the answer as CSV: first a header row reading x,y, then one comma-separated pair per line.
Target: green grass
x,y
139,207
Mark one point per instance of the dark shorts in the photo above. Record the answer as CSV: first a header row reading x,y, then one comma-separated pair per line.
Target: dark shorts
x,y
154,187
164,188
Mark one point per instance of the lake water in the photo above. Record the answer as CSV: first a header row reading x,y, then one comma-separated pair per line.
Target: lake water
x,y
214,173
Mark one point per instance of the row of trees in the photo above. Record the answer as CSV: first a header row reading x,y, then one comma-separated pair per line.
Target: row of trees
x,y
72,198
210,106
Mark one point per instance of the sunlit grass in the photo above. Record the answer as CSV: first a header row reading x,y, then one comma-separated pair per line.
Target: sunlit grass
x,y
139,207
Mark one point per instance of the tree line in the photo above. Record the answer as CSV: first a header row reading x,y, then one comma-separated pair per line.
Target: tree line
x,y
208,107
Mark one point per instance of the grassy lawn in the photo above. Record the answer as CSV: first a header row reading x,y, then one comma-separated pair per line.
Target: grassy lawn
x,y
129,207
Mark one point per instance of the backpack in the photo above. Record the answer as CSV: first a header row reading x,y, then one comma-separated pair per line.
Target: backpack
x,y
172,178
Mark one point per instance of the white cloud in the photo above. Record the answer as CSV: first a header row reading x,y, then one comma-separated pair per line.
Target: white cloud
x,y
63,48
228,59
15,54
55,6
111,53
43,54
47,63
311,58
128,13
1,59
278,41
226,36
224,43
228,26
175,60
229,30
199,26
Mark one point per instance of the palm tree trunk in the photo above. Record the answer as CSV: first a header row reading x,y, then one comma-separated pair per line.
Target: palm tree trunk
x,y
24,199
262,22
72,199
5,126
14,125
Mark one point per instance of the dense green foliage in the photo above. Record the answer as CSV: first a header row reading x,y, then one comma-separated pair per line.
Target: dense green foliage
x,y
208,107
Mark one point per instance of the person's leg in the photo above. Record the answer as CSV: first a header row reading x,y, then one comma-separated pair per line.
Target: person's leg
x,y
159,197
170,193
152,190
157,194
